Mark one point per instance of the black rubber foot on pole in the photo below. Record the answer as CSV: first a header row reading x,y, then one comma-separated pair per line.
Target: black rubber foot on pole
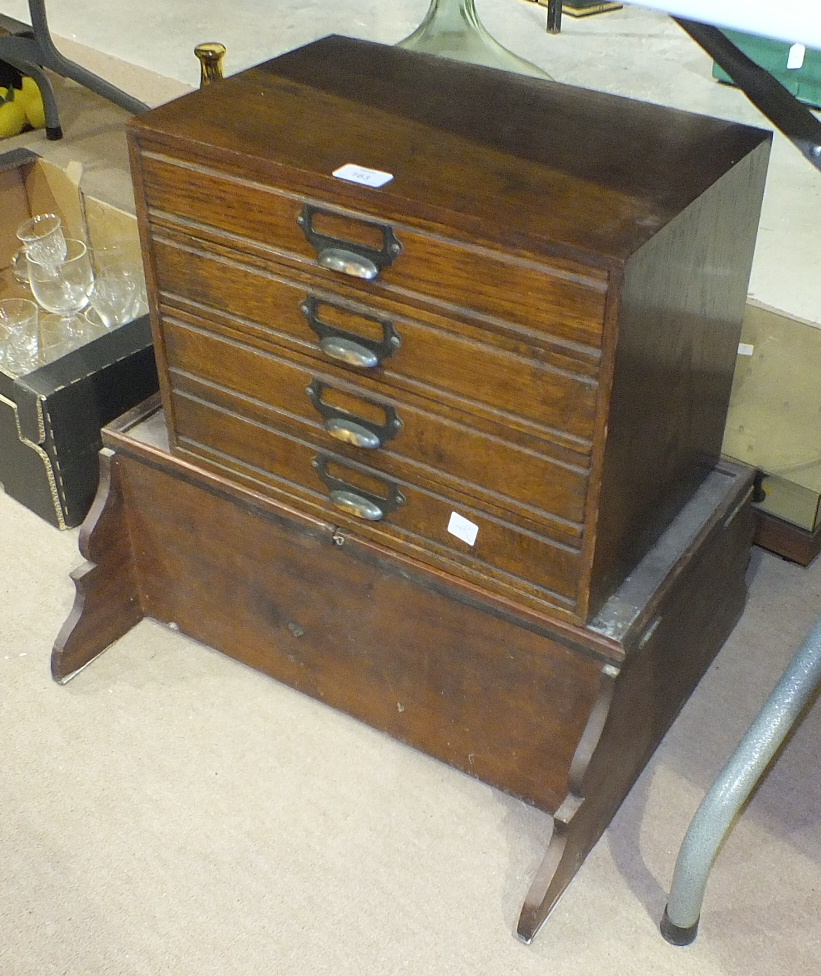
x,y
54,132
675,934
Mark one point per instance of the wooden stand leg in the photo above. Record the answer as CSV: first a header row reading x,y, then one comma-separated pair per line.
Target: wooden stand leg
x,y
638,704
562,859
106,604
576,826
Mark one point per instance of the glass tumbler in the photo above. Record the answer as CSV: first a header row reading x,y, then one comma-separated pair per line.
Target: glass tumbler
x,y
19,335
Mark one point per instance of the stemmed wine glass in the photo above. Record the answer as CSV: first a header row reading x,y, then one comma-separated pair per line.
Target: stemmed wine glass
x,y
42,238
112,300
64,287
117,261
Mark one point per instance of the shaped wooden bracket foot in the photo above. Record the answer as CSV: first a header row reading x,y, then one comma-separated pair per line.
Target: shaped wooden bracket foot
x,y
106,604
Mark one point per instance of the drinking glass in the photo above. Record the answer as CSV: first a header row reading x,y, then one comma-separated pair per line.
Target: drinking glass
x,y
123,259
56,340
20,267
65,287
19,346
42,238
112,299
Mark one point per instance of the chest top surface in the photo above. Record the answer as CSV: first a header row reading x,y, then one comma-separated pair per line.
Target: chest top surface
x,y
509,160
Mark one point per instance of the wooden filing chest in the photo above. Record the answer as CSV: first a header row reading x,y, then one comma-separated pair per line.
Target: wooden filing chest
x,y
510,362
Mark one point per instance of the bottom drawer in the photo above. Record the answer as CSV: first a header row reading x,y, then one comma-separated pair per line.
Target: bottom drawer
x,y
439,530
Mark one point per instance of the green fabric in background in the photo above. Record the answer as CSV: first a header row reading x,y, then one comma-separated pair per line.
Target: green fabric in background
x,y
803,82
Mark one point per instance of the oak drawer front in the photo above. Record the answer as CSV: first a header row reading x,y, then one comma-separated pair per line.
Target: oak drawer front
x,y
566,301
413,517
394,436
517,389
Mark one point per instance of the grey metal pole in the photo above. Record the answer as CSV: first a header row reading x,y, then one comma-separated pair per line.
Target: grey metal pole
x,y
713,819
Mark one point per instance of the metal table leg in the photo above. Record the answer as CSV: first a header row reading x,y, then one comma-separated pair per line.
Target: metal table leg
x,y
554,16
714,818
32,51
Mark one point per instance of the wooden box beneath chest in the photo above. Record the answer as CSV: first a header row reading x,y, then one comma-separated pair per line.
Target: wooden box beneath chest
x,y
510,360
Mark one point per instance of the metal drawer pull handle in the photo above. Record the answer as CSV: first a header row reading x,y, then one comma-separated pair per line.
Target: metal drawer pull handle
x,y
353,499
352,433
348,347
349,352
353,504
350,257
349,263
350,427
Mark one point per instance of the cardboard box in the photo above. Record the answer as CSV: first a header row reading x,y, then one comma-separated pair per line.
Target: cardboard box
x,y
50,418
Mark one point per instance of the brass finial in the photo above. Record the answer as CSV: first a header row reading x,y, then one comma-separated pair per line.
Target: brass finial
x,y
210,56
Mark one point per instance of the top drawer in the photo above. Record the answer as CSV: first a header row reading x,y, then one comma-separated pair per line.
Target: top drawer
x,y
565,301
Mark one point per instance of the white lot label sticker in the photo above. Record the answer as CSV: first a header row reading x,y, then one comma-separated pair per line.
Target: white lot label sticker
x,y
363,175
462,528
745,349
795,59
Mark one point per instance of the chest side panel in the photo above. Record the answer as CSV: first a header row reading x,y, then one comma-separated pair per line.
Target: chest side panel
x,y
681,305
